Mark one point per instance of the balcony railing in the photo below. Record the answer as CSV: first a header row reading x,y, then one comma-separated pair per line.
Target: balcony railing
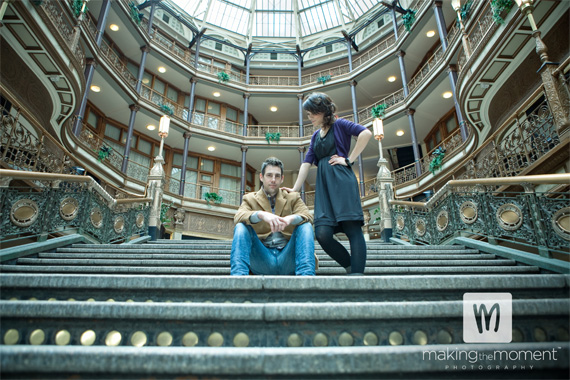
x,y
479,33
35,150
93,144
408,173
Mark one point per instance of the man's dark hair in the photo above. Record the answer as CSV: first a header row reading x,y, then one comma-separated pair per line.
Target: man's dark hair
x,y
318,102
273,161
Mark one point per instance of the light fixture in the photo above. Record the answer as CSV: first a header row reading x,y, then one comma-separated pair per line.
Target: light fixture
x,y
392,79
161,69
447,94
456,4
378,128
211,148
95,88
114,27
273,109
216,94
145,80
430,33
151,127
400,133
163,128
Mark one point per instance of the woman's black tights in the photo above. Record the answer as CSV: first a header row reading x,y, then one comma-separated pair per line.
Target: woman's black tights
x,y
353,230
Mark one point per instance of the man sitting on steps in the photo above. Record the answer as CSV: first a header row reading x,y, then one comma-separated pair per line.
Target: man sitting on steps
x,y
273,233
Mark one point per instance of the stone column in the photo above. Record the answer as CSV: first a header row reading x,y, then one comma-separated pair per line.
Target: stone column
x,y
155,191
78,121
353,84
193,82
187,136
410,112
243,168
134,109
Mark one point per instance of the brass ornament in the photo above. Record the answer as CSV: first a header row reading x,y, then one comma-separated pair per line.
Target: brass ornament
x,y
345,339
69,209
138,339
420,227
113,338
420,338
11,337
320,340
37,337
468,212
400,223
215,339
442,221
96,217
24,212
88,338
62,338
119,224
509,217
561,223
395,338
164,339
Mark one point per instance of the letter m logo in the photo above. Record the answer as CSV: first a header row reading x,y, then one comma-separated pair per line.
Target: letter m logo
x,y
478,311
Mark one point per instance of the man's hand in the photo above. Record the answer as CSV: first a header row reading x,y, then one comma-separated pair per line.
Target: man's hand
x,y
276,223
289,189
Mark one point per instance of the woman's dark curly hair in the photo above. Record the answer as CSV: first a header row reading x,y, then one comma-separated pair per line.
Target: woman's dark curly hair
x,y
319,102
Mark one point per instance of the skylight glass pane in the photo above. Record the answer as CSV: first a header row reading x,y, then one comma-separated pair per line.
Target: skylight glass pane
x,y
274,5
273,24
229,16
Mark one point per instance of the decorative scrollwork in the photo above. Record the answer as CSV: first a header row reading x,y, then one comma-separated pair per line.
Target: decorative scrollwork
x,y
561,223
24,212
468,212
139,221
509,217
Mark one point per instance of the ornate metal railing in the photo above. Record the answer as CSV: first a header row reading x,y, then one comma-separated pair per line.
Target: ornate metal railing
x,y
479,33
196,191
531,218
408,173
27,149
515,147
94,144
64,26
43,204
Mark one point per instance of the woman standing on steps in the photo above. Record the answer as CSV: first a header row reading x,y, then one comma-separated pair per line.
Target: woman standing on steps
x,y
337,198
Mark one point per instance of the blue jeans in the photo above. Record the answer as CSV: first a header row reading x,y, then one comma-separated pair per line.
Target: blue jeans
x,y
249,253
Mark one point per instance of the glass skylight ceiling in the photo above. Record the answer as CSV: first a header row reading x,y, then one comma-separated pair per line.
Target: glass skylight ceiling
x,y
276,18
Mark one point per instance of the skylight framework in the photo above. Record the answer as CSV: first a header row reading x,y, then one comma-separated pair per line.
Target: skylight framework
x,y
275,18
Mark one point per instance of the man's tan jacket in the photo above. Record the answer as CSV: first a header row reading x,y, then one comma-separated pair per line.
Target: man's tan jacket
x,y
285,204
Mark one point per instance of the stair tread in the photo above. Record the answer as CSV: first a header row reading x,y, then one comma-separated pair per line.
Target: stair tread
x,y
265,361
208,270
226,263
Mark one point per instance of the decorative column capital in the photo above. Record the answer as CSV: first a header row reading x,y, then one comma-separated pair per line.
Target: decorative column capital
x,y
353,83
437,3
301,149
91,62
451,69
244,148
400,53
187,135
134,107
246,95
145,49
300,96
193,80
410,111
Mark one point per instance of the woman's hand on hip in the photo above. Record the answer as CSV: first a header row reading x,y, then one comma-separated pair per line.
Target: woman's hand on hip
x,y
337,160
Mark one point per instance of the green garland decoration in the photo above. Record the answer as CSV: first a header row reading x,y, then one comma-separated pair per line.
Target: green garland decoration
x,y
408,19
103,153
437,160
379,110
135,15
167,109
163,210
213,197
223,77
324,79
272,136
76,6
500,6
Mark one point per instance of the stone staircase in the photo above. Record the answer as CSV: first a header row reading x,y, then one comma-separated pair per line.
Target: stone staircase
x,y
169,309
